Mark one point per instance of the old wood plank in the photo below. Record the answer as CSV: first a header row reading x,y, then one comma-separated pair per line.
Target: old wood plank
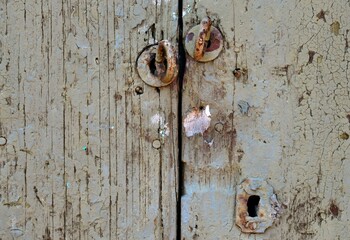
x,y
210,162
111,62
77,112
104,105
295,59
56,120
12,122
27,35
299,154
142,174
86,137
34,109
36,94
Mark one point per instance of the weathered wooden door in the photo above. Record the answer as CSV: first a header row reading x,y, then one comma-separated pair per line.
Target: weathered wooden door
x,y
89,151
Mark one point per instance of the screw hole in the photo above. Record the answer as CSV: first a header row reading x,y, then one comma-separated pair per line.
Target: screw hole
x,y
253,205
237,72
139,90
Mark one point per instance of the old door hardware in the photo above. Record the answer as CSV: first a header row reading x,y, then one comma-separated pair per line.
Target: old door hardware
x,y
204,42
139,90
157,64
237,73
3,141
256,206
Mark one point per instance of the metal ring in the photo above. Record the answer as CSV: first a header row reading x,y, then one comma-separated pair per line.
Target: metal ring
x,y
165,69
204,42
202,39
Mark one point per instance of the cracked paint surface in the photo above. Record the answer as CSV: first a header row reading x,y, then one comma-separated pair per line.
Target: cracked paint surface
x,y
67,77
296,135
79,161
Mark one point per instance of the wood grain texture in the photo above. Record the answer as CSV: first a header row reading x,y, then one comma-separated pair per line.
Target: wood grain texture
x,y
295,57
79,161
210,162
87,157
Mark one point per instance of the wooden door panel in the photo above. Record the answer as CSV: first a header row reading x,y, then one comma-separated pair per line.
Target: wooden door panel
x,y
293,58
89,157
79,161
211,169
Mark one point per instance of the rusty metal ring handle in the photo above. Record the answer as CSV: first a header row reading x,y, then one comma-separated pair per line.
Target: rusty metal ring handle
x,y
202,39
166,52
157,64
204,42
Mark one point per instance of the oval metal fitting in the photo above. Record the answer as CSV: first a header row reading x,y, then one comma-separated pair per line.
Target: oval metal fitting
x,y
157,64
3,141
204,42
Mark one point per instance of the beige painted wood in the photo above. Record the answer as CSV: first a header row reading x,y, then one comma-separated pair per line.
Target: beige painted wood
x,y
79,161
295,135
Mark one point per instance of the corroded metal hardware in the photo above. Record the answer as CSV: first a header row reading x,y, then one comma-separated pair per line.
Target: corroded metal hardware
x,y
256,206
204,42
139,90
157,64
237,72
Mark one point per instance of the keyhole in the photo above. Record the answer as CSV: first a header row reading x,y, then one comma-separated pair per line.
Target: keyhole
x,y
152,64
253,205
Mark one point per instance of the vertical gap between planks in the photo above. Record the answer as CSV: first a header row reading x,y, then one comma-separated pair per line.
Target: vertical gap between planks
x,y
182,65
64,118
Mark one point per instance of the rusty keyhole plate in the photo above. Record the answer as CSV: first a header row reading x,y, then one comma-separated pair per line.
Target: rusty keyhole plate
x,y
256,206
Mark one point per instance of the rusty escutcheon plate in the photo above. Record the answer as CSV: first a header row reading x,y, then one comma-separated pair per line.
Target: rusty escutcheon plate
x,y
215,44
147,67
256,206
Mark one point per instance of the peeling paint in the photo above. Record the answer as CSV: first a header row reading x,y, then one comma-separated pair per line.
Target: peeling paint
x,y
209,142
302,149
243,107
159,120
335,26
159,2
15,230
186,11
197,121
